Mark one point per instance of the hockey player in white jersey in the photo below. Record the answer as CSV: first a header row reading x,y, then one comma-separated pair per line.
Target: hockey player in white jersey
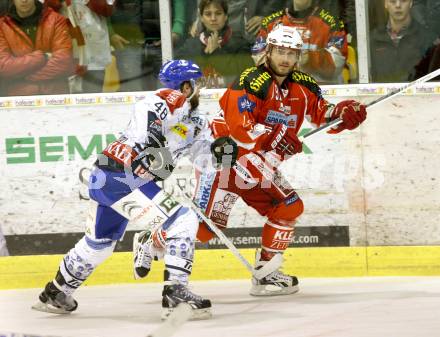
x,y
123,188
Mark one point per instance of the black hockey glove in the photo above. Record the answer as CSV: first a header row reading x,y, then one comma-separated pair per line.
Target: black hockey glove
x,y
156,158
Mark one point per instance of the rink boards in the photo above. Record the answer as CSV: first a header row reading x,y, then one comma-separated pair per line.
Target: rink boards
x,y
35,271
376,187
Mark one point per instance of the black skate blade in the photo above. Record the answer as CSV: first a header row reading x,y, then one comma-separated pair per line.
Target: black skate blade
x,y
194,314
44,307
272,290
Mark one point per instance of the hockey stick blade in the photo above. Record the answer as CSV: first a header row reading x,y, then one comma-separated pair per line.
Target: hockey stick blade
x,y
175,320
272,265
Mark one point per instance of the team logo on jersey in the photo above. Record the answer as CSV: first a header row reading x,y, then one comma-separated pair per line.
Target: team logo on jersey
x,y
222,207
245,104
277,117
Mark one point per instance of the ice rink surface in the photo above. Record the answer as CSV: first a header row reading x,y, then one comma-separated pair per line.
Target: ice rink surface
x,y
336,307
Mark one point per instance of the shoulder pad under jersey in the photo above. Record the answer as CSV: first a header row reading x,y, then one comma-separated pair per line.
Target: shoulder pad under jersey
x,y
330,19
271,18
255,81
307,81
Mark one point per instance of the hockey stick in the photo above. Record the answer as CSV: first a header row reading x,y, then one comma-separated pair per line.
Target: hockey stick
x,y
265,270
382,99
175,320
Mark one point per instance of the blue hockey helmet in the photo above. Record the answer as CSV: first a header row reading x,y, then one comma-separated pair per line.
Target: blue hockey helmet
x,y
173,73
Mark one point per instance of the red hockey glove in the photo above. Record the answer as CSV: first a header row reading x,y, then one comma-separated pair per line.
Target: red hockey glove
x,y
283,140
352,114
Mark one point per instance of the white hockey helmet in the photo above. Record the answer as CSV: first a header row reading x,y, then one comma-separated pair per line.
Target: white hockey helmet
x,y
285,36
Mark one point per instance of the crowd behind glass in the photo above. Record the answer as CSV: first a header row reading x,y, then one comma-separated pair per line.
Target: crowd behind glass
x,y
87,46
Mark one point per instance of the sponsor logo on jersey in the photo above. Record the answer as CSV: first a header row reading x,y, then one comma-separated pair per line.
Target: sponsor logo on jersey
x,y
122,153
181,130
173,96
222,207
130,206
245,104
204,198
168,204
271,17
328,18
244,173
276,117
301,77
204,191
290,200
266,171
156,222
283,235
258,82
199,121
245,73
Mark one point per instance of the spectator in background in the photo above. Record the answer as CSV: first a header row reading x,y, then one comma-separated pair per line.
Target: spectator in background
x,y
93,50
397,47
218,50
137,40
325,40
35,50
246,16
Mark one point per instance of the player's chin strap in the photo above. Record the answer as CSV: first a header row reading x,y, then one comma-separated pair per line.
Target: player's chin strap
x,y
269,267
382,99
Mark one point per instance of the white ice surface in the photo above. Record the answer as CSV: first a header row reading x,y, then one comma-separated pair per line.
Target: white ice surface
x,y
344,307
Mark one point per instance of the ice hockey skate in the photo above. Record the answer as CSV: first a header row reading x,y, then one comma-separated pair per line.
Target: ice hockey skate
x,y
174,293
55,301
142,257
276,283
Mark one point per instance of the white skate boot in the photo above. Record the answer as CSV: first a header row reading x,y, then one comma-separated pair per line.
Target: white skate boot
x,y
276,283
142,257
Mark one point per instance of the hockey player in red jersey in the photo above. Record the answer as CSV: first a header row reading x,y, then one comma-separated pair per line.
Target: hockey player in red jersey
x,y
264,111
